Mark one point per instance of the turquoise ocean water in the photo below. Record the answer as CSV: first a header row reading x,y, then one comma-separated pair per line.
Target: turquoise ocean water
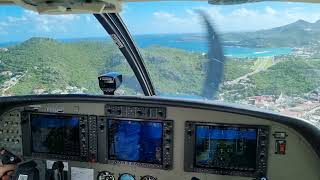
x,y
183,41
200,45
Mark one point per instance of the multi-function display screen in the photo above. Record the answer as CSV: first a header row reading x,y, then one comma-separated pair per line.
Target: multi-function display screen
x,y
136,141
225,147
55,134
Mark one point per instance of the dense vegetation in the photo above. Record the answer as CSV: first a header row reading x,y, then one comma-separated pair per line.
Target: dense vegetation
x,y
49,64
53,66
293,77
297,34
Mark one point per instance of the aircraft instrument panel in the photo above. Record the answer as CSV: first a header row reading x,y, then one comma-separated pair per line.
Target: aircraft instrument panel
x,y
143,136
120,139
136,141
54,134
116,140
226,148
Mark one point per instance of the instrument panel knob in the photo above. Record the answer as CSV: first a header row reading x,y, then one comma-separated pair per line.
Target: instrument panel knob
x,y
105,175
82,126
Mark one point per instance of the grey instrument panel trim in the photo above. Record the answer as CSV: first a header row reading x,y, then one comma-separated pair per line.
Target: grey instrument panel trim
x,y
310,131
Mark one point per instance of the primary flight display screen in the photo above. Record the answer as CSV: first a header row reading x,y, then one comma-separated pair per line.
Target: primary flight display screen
x,y
135,141
55,134
225,147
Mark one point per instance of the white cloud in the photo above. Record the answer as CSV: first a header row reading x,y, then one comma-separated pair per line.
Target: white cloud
x,y
125,9
27,24
242,19
163,15
270,10
2,24
170,18
16,19
170,23
46,23
49,23
242,12
2,31
88,18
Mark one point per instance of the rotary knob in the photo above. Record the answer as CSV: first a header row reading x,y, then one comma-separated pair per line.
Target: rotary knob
x,y
105,175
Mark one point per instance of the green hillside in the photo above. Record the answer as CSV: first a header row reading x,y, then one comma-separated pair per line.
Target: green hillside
x,y
50,65
293,77
297,34
42,65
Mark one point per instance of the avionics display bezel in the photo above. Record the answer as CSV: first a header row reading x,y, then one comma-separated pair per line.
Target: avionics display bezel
x,y
27,137
167,143
261,155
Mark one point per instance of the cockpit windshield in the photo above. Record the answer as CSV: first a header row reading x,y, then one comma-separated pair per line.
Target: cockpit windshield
x,y
271,52
270,48
57,54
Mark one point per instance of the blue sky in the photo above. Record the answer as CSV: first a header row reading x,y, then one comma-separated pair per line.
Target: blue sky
x,y
17,24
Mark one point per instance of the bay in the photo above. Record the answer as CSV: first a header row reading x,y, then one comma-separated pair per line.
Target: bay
x,y
188,42
199,44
